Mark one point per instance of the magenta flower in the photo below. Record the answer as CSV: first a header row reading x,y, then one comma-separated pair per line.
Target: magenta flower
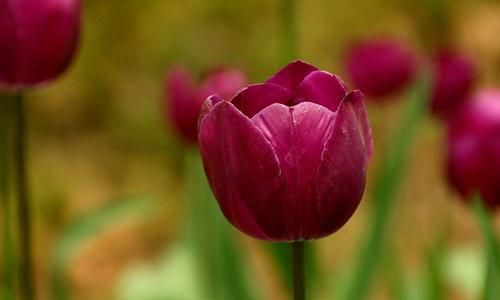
x,y
474,147
38,40
380,68
454,76
185,98
287,159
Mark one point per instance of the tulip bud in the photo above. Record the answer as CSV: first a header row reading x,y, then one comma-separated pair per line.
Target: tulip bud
x,y
380,68
184,97
287,159
474,147
38,39
454,76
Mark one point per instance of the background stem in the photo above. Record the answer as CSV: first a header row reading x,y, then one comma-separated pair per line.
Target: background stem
x,y
24,217
299,289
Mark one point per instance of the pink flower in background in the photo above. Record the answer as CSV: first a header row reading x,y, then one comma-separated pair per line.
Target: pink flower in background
x,y
287,159
38,39
380,67
474,147
185,97
454,77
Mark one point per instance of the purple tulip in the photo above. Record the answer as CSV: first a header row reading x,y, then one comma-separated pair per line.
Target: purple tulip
x,y
287,159
38,39
185,98
474,147
454,76
380,68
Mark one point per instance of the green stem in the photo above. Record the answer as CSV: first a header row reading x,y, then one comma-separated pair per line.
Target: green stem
x,y
299,288
6,201
24,217
289,30
492,288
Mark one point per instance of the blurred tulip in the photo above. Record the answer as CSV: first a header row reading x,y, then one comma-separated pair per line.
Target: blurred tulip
x,y
474,147
38,39
185,98
287,159
380,68
454,76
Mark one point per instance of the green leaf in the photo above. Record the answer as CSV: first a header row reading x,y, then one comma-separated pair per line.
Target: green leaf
x,y
386,187
492,282
84,229
222,268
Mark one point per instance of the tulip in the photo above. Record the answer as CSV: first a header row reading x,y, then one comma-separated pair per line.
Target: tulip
x,y
287,159
38,39
454,76
185,98
380,68
474,147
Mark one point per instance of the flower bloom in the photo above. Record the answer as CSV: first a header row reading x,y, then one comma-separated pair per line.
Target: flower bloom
x,y
454,76
474,147
287,159
380,68
184,98
38,39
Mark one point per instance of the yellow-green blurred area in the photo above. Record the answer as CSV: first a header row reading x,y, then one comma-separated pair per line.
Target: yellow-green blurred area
x,y
98,135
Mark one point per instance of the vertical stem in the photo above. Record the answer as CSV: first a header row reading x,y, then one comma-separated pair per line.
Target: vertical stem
x,y
9,260
299,288
289,30
24,218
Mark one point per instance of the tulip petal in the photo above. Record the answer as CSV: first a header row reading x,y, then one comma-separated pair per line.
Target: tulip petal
x,y
342,171
292,75
225,83
298,135
256,97
184,106
323,88
243,172
356,99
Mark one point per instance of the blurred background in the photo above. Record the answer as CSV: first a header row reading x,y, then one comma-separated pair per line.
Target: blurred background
x,y
107,170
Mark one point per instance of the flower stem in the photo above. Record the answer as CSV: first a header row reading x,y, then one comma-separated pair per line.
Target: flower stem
x,y
299,288
24,218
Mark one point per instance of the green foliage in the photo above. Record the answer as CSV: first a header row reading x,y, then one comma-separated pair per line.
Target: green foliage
x,y
83,230
386,187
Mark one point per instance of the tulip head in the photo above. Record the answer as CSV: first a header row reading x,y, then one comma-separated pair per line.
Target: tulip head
x,y
184,97
454,77
287,159
474,147
38,39
380,68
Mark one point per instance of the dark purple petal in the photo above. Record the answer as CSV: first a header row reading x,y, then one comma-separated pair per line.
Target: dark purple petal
x,y
244,172
356,99
380,68
292,75
183,104
298,135
454,77
323,88
342,171
256,97
42,38
225,83
474,147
